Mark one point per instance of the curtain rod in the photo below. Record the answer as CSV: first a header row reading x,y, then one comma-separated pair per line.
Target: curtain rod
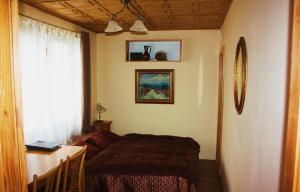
x,y
48,23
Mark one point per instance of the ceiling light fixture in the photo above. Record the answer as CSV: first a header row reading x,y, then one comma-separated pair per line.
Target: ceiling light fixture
x,y
114,27
138,26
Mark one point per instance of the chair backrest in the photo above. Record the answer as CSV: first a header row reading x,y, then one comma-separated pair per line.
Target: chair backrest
x,y
48,179
74,171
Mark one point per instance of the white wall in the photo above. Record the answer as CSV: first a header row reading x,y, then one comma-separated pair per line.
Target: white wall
x,y
252,142
194,113
27,10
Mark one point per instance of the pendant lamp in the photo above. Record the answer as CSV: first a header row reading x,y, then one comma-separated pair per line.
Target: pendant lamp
x,y
138,26
114,27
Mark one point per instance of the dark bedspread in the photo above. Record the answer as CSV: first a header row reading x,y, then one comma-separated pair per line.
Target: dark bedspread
x,y
145,155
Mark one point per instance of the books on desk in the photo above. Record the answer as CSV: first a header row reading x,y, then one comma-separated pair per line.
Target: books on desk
x,y
43,146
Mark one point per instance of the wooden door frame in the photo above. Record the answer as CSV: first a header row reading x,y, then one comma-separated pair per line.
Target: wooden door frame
x,y
12,151
17,93
220,107
292,110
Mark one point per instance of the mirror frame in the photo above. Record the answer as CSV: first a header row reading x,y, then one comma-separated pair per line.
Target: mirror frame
x,y
240,49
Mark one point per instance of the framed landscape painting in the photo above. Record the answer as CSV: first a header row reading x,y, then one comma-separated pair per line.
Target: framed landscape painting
x,y
154,86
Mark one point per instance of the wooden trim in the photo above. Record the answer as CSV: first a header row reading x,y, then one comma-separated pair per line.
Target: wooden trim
x,y
127,51
241,51
290,137
296,185
12,151
220,107
154,40
17,89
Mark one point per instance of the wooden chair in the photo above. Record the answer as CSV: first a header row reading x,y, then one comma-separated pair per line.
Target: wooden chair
x,y
48,179
74,172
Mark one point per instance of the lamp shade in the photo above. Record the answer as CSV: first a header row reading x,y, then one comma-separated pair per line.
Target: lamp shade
x,y
138,26
113,27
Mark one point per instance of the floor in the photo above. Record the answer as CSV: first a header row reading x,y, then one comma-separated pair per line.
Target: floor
x,y
210,180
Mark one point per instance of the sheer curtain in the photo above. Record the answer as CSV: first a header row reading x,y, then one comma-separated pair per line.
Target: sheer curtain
x,y
51,76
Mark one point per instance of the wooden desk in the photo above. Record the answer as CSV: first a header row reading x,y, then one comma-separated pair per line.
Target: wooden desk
x,y
39,162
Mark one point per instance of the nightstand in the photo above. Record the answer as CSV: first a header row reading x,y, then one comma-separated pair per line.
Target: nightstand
x,y
102,125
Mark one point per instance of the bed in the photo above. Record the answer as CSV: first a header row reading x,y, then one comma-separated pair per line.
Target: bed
x,y
144,163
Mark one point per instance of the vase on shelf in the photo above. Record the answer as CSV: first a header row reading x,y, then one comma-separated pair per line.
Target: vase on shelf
x,y
146,55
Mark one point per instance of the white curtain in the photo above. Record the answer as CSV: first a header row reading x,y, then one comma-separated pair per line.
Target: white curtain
x,y
51,76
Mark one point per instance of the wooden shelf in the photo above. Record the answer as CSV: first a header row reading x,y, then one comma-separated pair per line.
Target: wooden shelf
x,y
173,48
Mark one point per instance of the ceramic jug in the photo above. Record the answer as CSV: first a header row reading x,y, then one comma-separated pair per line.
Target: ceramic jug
x,y
146,55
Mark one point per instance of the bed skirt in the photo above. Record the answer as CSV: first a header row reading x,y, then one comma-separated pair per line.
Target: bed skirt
x,y
124,183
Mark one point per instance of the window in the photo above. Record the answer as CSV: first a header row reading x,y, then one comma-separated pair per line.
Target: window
x,y
51,81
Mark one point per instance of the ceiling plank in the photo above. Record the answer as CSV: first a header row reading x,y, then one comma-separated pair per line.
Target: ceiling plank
x,y
156,14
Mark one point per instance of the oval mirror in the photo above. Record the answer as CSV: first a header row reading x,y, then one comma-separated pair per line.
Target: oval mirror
x,y
240,75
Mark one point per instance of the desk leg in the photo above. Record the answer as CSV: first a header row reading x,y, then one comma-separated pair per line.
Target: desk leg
x,y
83,180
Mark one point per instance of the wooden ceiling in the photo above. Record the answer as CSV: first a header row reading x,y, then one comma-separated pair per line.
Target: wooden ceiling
x,y
156,14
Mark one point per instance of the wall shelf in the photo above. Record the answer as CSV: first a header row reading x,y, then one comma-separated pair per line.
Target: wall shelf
x,y
135,50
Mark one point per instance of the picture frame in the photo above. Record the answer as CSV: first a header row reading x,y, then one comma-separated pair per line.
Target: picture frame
x,y
154,86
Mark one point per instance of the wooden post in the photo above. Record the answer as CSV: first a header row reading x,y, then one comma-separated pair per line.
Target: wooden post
x,y
220,107
290,159
12,151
